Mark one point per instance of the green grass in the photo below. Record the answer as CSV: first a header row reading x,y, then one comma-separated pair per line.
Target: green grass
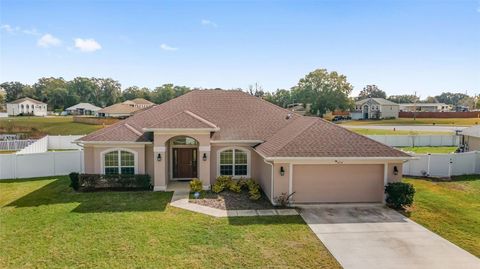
x,y
39,126
365,131
425,150
450,209
426,121
44,224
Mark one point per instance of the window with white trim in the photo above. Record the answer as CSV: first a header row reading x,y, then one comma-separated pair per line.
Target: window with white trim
x,y
233,162
119,162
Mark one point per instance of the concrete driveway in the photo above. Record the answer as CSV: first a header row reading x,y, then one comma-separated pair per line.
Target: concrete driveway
x,y
373,236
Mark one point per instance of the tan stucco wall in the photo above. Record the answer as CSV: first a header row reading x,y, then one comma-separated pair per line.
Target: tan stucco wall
x,y
161,168
93,156
345,183
280,183
149,161
394,178
261,173
472,142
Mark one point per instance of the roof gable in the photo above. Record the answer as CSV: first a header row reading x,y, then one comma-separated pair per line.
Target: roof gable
x,y
21,100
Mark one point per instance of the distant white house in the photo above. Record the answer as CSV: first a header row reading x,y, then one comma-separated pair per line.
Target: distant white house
x,y
82,109
26,106
425,107
375,108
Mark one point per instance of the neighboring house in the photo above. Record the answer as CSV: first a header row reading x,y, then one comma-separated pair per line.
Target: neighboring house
x,y
27,106
120,110
299,108
207,133
125,109
425,107
470,140
374,108
82,109
139,103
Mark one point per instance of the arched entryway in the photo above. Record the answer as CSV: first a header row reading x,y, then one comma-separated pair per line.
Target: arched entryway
x,y
183,158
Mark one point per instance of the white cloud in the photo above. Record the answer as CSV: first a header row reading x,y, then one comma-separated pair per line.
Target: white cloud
x,y
48,40
31,32
167,47
87,45
208,23
7,28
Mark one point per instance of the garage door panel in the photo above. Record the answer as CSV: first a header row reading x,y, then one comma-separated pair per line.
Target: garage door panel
x,y
348,183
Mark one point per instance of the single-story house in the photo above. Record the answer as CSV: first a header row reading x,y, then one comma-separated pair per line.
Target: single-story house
x,y
139,102
424,107
374,108
470,139
82,109
120,110
208,133
27,106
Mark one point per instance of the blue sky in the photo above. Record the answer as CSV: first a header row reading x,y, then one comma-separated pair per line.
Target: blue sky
x,y
402,46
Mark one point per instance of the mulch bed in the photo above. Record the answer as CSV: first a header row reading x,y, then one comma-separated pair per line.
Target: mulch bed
x,y
228,200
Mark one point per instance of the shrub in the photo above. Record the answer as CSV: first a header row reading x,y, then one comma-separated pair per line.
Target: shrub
x,y
253,189
284,199
74,181
399,194
92,181
221,183
196,185
235,185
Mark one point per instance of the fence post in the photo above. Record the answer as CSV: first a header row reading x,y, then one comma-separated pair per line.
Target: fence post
x,y
428,164
450,166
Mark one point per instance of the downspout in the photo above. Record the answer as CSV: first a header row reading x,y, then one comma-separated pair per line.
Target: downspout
x,y
271,181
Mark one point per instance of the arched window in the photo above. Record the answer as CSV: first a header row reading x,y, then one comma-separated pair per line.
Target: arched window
x,y
184,141
119,162
234,162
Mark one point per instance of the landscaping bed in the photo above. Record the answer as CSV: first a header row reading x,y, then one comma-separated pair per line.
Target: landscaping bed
x,y
227,200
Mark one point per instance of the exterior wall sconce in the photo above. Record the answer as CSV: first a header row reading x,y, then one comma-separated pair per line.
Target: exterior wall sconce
x,y
159,157
395,170
282,171
204,156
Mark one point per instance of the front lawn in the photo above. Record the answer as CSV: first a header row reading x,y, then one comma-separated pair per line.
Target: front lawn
x,y
422,121
44,224
450,209
366,131
35,127
425,150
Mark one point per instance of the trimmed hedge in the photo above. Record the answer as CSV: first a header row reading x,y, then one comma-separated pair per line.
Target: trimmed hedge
x,y
399,194
88,182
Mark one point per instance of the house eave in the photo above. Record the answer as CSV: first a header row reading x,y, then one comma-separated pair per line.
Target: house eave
x,y
176,130
112,142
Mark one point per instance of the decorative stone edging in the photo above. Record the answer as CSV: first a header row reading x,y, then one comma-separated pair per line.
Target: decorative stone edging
x,y
180,200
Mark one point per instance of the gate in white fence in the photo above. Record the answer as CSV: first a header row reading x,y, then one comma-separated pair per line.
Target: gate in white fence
x,y
417,140
443,165
41,164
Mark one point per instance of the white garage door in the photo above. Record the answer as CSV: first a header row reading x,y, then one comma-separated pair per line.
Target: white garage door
x,y
346,183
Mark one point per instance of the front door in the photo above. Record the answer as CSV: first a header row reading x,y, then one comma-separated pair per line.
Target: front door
x,y
184,162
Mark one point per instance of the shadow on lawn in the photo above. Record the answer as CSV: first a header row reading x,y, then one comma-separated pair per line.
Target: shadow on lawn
x,y
58,192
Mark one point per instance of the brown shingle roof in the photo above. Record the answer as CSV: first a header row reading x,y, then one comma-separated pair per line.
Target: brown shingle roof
x,y
139,101
240,116
119,109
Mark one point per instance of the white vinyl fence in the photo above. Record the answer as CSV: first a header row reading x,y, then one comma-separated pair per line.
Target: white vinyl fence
x,y
417,140
9,145
62,142
443,165
41,164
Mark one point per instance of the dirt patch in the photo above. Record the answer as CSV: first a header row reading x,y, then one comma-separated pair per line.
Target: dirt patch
x,y
228,200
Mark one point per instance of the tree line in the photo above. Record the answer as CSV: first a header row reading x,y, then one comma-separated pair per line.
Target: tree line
x,y
323,90
59,93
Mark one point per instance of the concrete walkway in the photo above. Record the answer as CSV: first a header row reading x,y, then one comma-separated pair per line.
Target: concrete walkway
x,y
181,196
373,236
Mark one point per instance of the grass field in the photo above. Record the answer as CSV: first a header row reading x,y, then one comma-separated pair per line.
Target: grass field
x,y
44,224
35,127
425,150
366,131
426,121
450,209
